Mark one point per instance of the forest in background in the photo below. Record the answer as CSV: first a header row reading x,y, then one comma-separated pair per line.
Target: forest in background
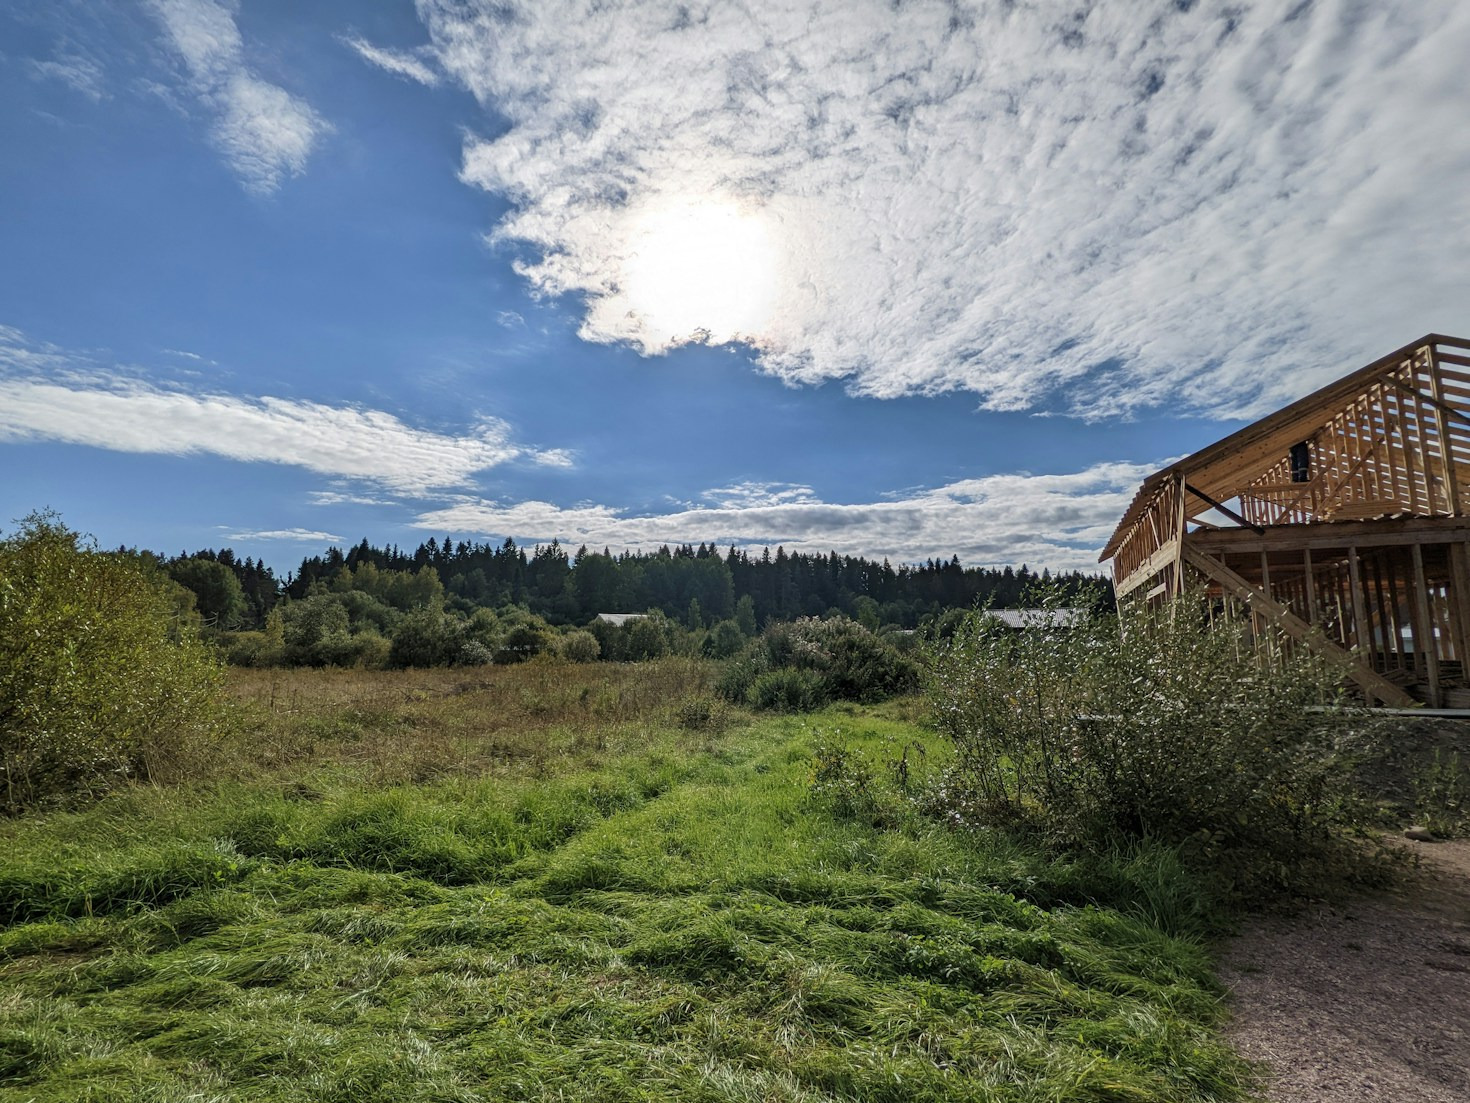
x,y
695,585
447,603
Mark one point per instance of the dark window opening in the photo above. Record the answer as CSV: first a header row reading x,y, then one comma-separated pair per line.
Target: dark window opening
x,y
1301,462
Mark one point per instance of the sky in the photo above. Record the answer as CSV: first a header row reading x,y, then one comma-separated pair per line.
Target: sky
x,y
903,279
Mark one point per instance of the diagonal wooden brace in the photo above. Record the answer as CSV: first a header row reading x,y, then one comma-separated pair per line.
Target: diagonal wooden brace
x,y
1371,682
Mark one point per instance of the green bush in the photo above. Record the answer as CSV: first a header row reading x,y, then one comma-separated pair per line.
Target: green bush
x,y
1163,727
580,647
809,662
100,679
788,690
1442,795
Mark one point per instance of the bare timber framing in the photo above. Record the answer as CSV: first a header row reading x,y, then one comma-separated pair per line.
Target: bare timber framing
x,y
1339,523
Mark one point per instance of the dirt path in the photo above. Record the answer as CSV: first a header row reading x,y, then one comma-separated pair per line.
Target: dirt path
x,y
1365,1002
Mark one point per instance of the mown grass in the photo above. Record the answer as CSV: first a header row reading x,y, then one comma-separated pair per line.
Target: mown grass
x,y
364,901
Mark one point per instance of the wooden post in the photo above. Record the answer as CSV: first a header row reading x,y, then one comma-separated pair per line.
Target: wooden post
x,y
1313,614
1460,602
1363,638
1181,523
1430,646
1442,423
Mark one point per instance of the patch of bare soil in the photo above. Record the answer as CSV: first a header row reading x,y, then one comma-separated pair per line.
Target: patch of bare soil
x,y
1362,1002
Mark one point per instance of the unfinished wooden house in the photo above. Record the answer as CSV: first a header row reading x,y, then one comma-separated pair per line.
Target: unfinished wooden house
x,y
1339,522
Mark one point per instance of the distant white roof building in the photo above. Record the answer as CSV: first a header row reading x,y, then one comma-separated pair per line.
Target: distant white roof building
x,y
1038,618
620,619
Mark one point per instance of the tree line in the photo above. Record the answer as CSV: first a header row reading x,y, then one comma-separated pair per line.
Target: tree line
x,y
694,585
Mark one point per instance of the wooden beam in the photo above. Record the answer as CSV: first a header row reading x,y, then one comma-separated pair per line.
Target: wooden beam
x,y
1372,683
1362,630
1430,645
1146,570
1331,491
1324,535
1222,507
1181,526
1451,481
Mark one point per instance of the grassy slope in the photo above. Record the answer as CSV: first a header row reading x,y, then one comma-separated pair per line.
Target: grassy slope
x,y
612,908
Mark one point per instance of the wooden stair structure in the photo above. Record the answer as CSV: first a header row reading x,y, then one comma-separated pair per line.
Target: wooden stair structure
x,y
1340,523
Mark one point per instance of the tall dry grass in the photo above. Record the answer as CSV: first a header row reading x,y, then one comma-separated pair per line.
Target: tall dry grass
x,y
415,725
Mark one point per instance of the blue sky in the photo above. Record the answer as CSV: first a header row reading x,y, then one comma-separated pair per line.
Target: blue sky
x,y
905,281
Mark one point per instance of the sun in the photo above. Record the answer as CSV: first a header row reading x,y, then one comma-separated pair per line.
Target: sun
x,y
702,270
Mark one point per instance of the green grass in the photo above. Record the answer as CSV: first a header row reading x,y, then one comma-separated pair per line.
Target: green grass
x,y
673,916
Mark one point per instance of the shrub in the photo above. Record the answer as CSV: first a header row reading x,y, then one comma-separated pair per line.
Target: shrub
x,y
580,647
788,690
100,679
523,641
817,661
1442,795
1171,729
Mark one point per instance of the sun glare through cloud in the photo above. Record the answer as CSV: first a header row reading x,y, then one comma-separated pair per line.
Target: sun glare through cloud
x,y
701,270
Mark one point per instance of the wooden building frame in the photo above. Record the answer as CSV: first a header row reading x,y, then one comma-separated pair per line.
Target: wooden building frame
x,y
1340,521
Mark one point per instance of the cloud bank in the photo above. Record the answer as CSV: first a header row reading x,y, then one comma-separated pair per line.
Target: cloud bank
x,y
262,130
1058,521
49,394
1088,207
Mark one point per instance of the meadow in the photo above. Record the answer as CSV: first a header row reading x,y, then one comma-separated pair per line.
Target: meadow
x,y
599,882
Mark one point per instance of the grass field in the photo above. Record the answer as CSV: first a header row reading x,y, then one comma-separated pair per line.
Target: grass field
x,y
560,883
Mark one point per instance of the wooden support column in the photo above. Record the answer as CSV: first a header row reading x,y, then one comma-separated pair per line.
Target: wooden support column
x,y
1181,523
1460,603
1430,645
1362,634
1313,614
1373,684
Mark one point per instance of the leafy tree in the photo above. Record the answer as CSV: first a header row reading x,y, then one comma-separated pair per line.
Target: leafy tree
x,y
745,615
218,595
429,637
315,630
723,640
100,680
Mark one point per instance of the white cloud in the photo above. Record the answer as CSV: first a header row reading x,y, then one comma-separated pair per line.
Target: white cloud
x,y
48,394
400,63
262,130
76,70
294,535
345,498
1058,521
1153,203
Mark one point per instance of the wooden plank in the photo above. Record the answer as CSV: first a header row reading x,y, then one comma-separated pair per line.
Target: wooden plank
x,y
1371,682
1451,480
1430,645
1181,525
1322,535
1146,570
